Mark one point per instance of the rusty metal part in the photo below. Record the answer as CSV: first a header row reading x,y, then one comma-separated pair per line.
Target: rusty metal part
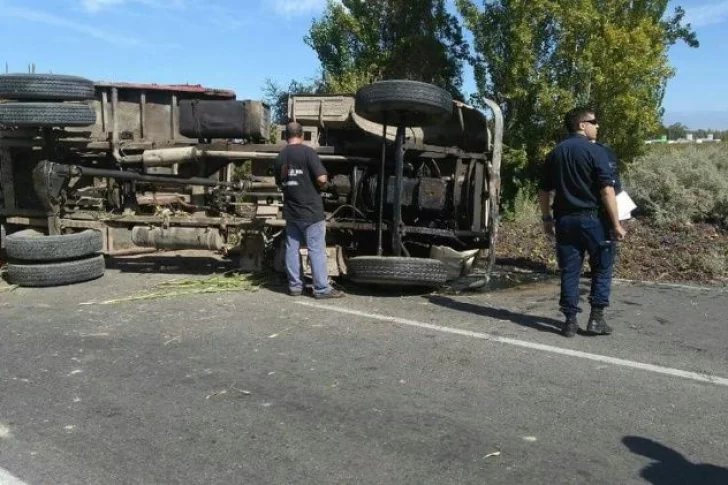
x,y
179,88
424,193
57,170
494,182
165,157
160,199
177,237
115,174
168,199
432,194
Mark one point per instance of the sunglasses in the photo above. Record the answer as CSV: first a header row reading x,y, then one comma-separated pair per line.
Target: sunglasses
x,y
591,122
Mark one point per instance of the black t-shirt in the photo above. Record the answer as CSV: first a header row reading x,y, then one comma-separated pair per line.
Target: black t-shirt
x,y
576,170
296,170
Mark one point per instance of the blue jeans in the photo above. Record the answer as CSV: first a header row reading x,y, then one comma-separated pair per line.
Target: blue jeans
x,y
575,235
314,235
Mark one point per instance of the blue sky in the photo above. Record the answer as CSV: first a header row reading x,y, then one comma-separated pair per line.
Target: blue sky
x,y
237,44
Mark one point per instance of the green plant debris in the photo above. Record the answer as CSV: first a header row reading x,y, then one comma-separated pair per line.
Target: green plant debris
x,y
183,287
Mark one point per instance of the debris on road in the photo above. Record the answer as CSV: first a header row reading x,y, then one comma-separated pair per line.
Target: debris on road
x,y
179,287
224,392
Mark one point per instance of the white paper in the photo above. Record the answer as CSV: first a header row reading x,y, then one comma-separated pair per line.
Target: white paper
x,y
625,205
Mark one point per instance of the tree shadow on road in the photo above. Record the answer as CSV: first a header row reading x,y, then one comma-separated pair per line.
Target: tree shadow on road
x,y
542,324
671,468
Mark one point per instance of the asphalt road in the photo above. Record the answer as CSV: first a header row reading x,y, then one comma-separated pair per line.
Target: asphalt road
x,y
262,388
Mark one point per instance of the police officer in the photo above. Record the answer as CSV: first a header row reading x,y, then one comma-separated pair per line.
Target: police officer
x,y
585,220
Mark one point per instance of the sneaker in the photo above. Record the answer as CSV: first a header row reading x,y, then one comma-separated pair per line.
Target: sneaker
x,y
331,294
597,324
295,292
570,327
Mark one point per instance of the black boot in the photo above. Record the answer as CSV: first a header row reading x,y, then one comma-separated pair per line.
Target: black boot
x,y
597,324
570,327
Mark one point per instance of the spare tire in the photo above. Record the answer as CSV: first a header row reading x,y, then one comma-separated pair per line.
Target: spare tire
x,y
47,87
56,274
400,102
46,114
30,245
400,271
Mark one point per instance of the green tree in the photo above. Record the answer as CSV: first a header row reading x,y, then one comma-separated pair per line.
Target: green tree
x,y
539,58
361,41
676,131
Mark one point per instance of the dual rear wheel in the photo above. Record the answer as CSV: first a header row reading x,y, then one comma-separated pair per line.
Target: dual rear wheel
x,y
36,260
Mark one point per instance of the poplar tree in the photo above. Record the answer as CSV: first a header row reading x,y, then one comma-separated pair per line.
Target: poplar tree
x,y
539,58
362,41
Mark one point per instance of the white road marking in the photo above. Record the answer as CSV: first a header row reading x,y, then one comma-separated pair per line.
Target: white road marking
x,y
711,379
7,479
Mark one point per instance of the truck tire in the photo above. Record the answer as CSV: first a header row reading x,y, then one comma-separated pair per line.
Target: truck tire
x,y
56,274
30,245
399,271
46,87
46,114
400,102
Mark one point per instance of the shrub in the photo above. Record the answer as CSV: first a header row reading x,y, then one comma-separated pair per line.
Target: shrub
x,y
518,191
524,206
681,184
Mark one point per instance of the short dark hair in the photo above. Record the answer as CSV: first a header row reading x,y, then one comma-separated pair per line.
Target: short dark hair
x,y
294,130
576,116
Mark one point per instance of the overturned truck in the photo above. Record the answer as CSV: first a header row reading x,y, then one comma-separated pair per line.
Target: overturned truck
x,y
91,169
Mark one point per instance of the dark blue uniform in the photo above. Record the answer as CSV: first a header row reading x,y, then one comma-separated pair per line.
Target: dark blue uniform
x,y
613,163
576,171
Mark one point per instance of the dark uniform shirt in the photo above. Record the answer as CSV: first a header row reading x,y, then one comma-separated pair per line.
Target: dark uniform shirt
x,y
576,170
296,169
613,162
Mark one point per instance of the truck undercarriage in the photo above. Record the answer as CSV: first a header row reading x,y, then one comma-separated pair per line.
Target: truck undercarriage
x,y
413,176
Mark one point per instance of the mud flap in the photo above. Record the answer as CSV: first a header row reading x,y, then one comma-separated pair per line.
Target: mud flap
x,y
252,253
335,264
457,263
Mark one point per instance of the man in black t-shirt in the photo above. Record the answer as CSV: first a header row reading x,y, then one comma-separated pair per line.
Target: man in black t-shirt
x,y
581,176
300,174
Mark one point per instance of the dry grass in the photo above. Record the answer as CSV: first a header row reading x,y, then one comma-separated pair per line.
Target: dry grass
x,y
696,253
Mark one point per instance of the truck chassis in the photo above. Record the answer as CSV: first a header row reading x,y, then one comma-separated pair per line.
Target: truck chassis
x,y
406,199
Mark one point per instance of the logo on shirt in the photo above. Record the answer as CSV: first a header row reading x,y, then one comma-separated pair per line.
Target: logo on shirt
x,y
288,173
